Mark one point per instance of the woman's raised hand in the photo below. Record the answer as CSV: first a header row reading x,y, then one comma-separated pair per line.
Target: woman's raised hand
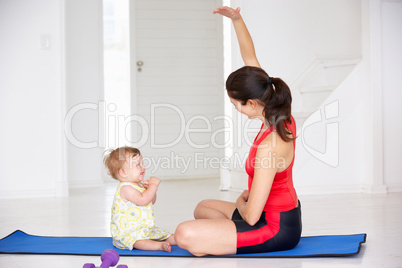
x,y
228,12
246,45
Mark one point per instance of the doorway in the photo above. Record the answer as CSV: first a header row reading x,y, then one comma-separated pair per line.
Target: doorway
x,y
117,85
168,97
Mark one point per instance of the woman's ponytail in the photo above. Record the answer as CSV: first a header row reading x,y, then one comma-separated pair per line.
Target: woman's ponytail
x,y
277,100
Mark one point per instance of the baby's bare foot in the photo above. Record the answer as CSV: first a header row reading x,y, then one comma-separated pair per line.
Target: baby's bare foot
x,y
166,247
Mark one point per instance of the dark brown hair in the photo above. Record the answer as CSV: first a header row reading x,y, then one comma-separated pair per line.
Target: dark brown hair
x,y
115,159
251,82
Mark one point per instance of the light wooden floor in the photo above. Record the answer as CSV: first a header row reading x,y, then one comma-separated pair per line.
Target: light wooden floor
x,y
87,213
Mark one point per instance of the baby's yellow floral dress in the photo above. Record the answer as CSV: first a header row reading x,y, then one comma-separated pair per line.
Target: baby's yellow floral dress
x,y
131,222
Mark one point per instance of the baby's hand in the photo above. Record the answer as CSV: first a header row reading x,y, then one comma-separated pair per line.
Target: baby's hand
x,y
145,184
154,180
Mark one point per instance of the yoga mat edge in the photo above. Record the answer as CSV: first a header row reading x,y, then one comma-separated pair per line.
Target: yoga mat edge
x,y
178,252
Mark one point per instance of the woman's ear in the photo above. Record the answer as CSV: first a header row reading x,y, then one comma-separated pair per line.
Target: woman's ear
x,y
252,103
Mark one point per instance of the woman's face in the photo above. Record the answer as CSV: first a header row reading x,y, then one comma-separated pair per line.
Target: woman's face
x,y
236,104
246,109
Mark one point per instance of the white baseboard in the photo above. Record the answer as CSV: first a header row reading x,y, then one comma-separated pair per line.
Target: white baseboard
x,y
320,190
341,189
189,177
328,189
394,188
238,180
27,194
62,189
85,183
239,183
375,189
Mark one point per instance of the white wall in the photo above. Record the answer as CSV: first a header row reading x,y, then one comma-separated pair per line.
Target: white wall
x,y
289,34
31,99
39,86
84,82
317,173
391,29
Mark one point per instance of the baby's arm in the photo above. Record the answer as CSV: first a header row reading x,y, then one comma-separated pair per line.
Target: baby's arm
x,y
146,184
246,44
129,193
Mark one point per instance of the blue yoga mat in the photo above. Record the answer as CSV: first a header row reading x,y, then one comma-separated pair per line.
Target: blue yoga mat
x,y
313,246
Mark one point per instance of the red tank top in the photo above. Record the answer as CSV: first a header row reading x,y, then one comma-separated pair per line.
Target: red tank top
x,y
282,196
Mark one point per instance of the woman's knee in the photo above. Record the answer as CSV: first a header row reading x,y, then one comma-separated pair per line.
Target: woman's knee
x,y
201,205
184,234
214,209
187,237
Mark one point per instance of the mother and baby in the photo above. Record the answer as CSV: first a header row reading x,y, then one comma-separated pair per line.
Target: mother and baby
x,y
264,218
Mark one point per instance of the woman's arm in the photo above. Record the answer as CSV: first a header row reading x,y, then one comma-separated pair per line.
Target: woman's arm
x,y
243,36
251,206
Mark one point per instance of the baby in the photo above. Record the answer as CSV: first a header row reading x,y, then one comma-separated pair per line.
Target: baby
x,y
133,222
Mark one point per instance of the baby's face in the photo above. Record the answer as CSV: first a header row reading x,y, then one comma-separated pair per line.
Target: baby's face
x,y
134,168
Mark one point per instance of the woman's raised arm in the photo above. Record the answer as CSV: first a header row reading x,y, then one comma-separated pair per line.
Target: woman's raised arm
x,y
243,36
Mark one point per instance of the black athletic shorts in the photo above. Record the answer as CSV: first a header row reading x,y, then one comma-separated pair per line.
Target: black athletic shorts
x,y
275,231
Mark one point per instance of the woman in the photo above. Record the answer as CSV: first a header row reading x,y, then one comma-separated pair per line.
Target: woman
x,y
267,216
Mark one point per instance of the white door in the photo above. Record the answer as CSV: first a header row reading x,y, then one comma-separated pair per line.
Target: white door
x,y
177,72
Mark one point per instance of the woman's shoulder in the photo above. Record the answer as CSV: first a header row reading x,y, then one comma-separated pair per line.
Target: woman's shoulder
x,y
276,152
275,144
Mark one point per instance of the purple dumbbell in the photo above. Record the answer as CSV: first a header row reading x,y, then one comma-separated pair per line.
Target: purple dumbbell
x,y
109,258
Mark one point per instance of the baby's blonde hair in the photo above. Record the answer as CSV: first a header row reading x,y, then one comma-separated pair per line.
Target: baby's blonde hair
x,y
115,159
